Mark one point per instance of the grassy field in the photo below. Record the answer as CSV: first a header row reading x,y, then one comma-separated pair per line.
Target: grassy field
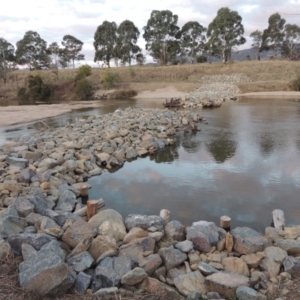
x,y
265,76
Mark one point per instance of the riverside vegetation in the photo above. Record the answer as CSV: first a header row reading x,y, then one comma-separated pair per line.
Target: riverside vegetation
x,y
40,181
263,76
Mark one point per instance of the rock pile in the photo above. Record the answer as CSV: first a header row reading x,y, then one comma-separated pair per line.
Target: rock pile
x,y
214,90
144,254
57,161
40,181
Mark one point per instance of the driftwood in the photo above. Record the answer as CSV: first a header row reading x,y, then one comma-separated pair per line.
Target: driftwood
x,y
173,102
83,211
278,219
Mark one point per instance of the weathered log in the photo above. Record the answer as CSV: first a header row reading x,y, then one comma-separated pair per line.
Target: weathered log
x,y
83,211
92,208
225,222
278,219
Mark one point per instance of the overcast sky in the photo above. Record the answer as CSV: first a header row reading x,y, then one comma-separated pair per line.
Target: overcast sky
x,y
53,19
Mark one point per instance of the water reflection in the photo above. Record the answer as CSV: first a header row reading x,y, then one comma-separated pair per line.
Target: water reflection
x,y
243,164
222,146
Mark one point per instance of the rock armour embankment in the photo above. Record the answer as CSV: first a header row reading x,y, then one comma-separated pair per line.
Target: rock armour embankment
x,y
215,89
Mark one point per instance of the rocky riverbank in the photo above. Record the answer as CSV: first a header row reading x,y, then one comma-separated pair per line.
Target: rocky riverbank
x,y
214,90
41,179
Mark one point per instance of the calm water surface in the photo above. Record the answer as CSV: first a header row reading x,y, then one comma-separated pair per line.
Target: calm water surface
x,y
244,163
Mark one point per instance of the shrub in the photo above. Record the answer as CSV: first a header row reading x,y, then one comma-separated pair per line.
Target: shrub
x,y
295,84
124,94
37,89
109,79
201,59
83,90
23,96
83,71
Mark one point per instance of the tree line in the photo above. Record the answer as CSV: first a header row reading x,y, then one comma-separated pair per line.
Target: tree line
x,y
166,42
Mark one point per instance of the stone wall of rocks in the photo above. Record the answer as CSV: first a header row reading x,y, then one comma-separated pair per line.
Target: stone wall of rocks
x,y
214,90
61,252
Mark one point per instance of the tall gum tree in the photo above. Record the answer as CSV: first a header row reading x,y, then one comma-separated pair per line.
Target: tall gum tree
x,y
7,56
273,36
225,33
126,47
32,50
192,40
105,39
161,34
290,45
257,39
72,49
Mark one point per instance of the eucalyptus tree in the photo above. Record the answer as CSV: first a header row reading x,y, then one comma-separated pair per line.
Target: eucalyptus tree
x,y
273,36
7,57
225,33
192,40
32,50
72,49
290,45
105,40
126,44
161,35
257,40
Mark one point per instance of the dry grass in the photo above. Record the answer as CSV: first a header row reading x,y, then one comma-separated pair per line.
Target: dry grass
x,y
265,76
10,289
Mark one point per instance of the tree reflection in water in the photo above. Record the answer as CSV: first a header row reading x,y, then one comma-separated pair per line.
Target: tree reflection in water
x,y
222,146
266,144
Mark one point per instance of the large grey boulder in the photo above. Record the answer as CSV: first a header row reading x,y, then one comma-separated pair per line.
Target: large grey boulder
x,y
12,225
291,265
66,201
82,283
246,293
291,246
77,232
110,271
102,244
37,241
134,276
81,261
105,215
185,246
199,239
23,206
17,162
209,229
189,282
175,230
26,175
172,257
151,263
247,240
144,222
225,284
45,272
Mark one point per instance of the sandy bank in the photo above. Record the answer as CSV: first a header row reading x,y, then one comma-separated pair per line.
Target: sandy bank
x,y
289,94
11,115
167,92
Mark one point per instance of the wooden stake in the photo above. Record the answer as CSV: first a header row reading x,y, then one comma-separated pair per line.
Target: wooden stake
x,y
225,222
92,208
83,211
278,219
84,190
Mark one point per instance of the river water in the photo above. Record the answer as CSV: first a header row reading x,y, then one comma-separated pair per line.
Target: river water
x,y
244,164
